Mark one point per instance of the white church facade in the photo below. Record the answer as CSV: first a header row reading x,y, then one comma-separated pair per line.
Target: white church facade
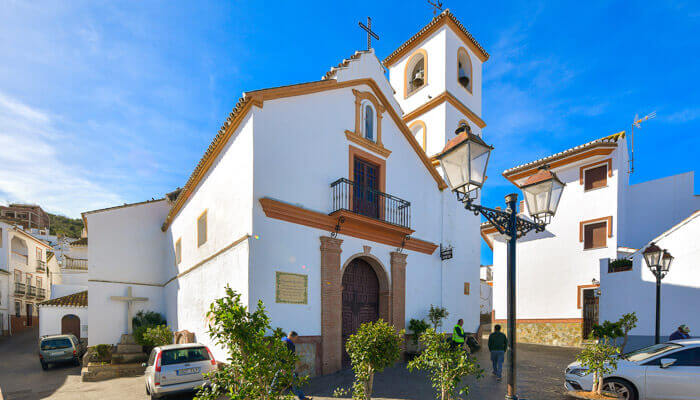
x,y
601,217
319,199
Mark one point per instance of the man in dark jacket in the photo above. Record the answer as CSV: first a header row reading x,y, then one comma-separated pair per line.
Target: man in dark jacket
x,y
498,344
683,332
290,342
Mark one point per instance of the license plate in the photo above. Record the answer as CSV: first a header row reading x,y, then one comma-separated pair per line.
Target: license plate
x,y
188,371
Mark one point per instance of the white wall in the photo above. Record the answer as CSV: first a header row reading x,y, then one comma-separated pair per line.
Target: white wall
x,y
50,319
471,100
551,264
635,290
127,248
657,205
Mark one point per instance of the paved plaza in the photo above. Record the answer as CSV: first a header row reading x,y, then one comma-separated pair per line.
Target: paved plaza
x,y
540,374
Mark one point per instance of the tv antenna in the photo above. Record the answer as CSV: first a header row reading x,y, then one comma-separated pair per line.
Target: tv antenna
x,y
637,124
437,5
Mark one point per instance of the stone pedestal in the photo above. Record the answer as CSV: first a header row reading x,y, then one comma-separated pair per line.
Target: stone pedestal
x,y
128,351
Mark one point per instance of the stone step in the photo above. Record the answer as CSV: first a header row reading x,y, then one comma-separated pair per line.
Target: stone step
x,y
129,348
127,339
127,358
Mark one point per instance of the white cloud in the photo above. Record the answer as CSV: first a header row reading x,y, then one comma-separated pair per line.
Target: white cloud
x,y
33,170
683,116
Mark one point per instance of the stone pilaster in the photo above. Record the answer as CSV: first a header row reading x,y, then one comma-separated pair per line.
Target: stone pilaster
x,y
398,290
331,305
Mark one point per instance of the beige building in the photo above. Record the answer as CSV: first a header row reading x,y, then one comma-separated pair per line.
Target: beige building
x,y
26,215
24,277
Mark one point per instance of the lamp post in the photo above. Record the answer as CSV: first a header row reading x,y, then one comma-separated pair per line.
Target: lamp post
x,y
659,262
463,161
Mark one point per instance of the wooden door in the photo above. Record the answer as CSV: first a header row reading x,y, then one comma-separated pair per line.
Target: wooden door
x,y
360,299
366,191
70,324
590,311
30,313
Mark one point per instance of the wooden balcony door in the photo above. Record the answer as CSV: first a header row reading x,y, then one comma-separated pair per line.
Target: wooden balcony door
x,y
365,193
30,313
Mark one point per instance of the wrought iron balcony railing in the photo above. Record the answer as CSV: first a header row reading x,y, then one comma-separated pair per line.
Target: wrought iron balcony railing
x,y
364,200
31,292
40,266
41,293
20,288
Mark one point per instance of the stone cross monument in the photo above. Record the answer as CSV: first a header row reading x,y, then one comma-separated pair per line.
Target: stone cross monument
x,y
130,300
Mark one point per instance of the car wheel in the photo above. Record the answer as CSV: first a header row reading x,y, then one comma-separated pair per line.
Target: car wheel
x,y
44,365
620,387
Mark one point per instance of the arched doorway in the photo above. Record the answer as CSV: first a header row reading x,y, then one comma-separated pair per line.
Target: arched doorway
x,y
360,299
70,324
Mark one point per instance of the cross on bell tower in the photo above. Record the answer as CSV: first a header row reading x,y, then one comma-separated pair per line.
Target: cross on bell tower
x,y
370,34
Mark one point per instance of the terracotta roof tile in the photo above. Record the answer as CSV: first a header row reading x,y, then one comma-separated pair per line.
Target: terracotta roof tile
x,y
343,64
442,17
79,299
604,141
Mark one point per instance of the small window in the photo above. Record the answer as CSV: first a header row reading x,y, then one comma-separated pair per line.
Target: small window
x,y
464,69
0,237
178,251
415,73
202,229
418,130
596,177
368,121
38,282
39,254
18,308
594,235
18,276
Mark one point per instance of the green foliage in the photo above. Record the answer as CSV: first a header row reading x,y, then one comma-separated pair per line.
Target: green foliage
x,y
446,365
141,322
71,227
158,336
436,315
599,358
627,323
607,331
417,326
620,264
104,352
254,359
375,346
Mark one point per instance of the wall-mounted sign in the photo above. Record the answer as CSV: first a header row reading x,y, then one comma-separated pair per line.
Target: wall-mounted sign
x,y
291,288
466,288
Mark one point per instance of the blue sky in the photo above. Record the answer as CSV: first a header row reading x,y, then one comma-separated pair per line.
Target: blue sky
x,y
109,102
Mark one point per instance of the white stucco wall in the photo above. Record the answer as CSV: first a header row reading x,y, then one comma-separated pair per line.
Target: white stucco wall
x,y
635,290
127,248
551,264
50,319
473,99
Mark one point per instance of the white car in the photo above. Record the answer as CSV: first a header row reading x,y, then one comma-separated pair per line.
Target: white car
x,y
177,368
663,371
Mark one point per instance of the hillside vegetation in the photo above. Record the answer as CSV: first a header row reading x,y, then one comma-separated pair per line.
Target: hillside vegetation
x,y
70,227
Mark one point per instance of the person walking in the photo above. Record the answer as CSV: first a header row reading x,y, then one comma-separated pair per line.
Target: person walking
x,y
683,332
498,344
458,335
290,341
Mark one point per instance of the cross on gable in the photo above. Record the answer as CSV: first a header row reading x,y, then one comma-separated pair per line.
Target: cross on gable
x,y
370,34
130,300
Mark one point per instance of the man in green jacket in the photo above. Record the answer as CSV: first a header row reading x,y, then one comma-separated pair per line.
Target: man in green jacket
x,y
458,335
498,343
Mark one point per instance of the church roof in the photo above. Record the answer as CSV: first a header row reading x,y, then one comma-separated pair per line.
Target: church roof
x,y
344,64
445,18
607,141
79,299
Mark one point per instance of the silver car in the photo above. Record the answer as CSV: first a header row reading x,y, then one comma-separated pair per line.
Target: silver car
x,y
177,368
663,371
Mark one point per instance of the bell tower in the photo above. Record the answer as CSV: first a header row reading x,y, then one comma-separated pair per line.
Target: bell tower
x,y
436,75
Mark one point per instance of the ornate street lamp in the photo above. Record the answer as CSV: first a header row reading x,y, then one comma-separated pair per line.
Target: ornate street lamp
x,y
464,160
659,262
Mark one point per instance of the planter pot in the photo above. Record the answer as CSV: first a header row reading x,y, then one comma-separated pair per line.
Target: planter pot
x,y
592,396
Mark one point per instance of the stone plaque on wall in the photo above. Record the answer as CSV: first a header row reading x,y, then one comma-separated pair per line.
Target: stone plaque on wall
x,y
466,288
291,288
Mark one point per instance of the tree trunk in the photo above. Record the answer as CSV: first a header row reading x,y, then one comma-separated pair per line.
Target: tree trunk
x,y
599,383
444,394
624,343
368,386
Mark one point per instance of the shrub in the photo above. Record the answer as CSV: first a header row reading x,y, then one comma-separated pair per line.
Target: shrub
x,y
417,326
600,359
104,352
436,315
375,346
158,336
144,320
255,360
445,364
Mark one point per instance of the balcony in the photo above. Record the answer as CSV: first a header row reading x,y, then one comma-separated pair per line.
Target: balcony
x,y
75,264
346,195
32,291
40,266
41,293
20,289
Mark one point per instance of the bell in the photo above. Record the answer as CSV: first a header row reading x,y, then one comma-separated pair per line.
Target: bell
x,y
418,79
463,78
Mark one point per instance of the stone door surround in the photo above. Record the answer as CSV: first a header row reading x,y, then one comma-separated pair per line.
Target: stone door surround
x,y
392,297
